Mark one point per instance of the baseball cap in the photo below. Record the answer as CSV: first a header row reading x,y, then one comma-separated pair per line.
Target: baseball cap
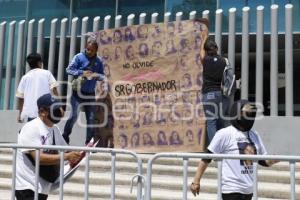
x,y
46,101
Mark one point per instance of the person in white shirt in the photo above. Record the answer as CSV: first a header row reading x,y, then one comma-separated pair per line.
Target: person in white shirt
x,y
239,138
38,132
34,84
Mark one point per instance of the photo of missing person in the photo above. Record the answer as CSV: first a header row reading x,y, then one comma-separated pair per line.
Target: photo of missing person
x,y
129,36
118,53
180,27
135,120
186,82
248,149
183,62
188,116
143,50
107,70
184,45
156,32
199,80
122,119
135,140
148,118
142,32
189,135
186,97
170,47
106,55
161,138
171,29
199,97
161,118
122,139
117,36
198,42
147,139
129,53
199,135
157,49
174,117
175,139
198,60
104,39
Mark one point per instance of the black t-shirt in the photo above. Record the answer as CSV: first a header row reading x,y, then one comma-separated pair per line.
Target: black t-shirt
x,y
213,67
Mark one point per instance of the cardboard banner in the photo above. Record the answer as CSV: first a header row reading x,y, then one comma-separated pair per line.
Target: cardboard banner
x,y
155,80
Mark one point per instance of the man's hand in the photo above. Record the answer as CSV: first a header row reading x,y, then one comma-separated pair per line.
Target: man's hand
x,y
195,188
73,156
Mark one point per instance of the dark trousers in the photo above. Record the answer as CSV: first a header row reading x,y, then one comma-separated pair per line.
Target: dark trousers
x,y
29,195
237,196
89,110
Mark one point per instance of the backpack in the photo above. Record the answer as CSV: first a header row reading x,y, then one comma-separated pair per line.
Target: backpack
x,y
228,85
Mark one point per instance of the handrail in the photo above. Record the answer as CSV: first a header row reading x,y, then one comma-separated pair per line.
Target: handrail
x,y
219,158
62,149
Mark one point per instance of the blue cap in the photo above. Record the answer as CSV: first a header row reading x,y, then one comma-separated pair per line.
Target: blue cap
x,y
46,101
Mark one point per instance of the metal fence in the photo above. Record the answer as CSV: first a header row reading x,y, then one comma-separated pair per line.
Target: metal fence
x,y
219,158
88,150
26,38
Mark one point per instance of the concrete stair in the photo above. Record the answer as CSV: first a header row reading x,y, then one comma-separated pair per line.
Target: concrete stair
x,y
166,182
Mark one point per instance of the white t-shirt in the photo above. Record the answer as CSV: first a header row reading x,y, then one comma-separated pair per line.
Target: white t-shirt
x,y
237,175
34,84
34,133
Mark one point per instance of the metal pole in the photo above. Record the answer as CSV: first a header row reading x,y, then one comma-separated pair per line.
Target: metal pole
x,y
274,61
51,58
219,180
62,50
113,175
2,47
40,37
255,189
218,29
292,180
117,8
61,176
245,54
29,40
86,176
179,16
154,18
192,14
19,60
205,14
289,95
84,26
231,37
142,18
10,52
167,17
130,19
96,24
107,22
13,178
185,178
37,174
259,55
118,21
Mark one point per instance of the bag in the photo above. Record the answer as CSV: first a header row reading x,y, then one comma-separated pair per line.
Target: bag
x,y
79,81
49,173
228,85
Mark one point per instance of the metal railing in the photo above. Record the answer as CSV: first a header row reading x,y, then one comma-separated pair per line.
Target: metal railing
x,y
88,150
24,47
219,157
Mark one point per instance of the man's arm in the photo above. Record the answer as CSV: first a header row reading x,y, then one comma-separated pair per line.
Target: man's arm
x,y
20,108
195,186
74,67
54,159
54,91
267,163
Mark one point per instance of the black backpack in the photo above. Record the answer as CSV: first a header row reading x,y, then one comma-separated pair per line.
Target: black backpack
x,y
228,84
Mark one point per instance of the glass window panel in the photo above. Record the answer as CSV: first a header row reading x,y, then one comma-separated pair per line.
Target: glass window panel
x,y
127,7
12,10
93,8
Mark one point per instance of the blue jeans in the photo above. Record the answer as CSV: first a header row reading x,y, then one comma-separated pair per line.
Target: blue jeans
x,y
89,111
215,106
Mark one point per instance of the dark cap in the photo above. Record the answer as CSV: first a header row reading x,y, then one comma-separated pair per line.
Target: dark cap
x,y
46,101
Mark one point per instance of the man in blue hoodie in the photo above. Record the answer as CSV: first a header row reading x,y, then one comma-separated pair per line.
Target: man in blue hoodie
x,y
86,68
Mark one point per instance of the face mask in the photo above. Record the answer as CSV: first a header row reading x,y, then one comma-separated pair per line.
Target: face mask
x,y
55,115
